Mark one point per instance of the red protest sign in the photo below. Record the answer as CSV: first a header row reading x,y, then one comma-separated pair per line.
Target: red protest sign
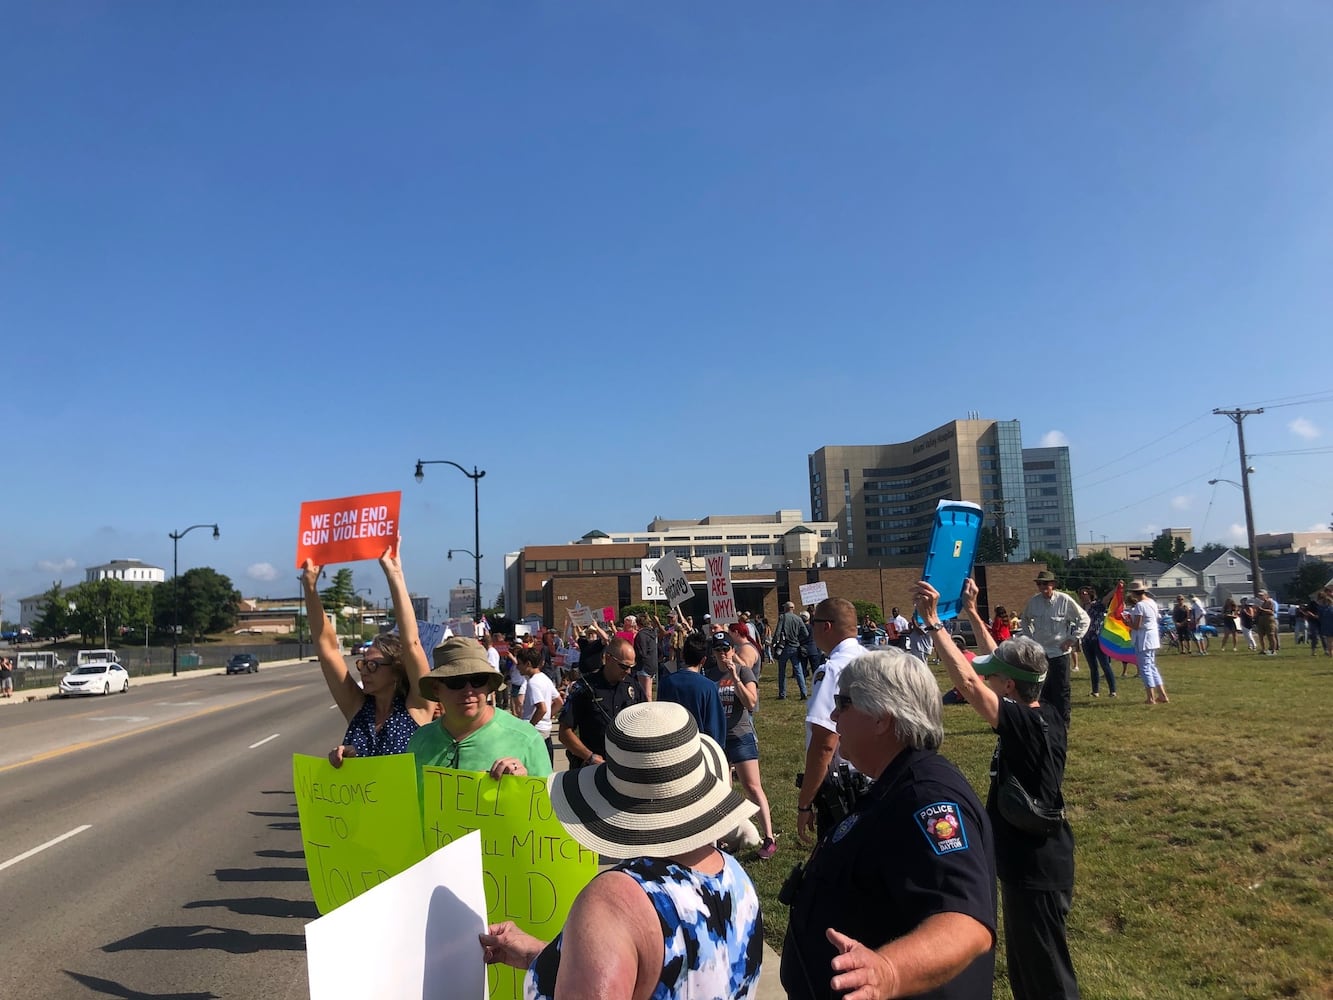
x,y
347,529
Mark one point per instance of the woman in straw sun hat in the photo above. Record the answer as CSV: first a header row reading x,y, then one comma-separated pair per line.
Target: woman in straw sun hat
x,y
1142,622
679,918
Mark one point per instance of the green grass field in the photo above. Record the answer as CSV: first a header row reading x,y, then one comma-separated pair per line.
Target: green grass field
x,y
1204,828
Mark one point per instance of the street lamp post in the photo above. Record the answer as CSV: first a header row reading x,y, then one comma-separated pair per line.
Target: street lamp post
x,y
476,580
475,475
476,592
176,537
1256,574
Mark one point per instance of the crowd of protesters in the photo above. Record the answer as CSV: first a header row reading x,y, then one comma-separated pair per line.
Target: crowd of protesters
x,y
656,719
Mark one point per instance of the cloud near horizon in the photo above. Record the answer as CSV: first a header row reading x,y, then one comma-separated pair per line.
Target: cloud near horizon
x,y
55,565
261,571
1181,502
1054,439
1303,428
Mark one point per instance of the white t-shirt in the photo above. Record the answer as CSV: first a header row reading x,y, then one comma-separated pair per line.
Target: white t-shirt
x,y
538,690
819,709
1146,636
493,657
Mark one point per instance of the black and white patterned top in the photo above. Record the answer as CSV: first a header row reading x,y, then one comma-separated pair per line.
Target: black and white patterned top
x,y
711,926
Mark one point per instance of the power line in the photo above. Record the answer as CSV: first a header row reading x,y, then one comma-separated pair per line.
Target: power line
x,y
1157,457
1137,451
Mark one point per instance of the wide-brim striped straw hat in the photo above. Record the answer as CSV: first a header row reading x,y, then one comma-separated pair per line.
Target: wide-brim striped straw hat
x,y
663,790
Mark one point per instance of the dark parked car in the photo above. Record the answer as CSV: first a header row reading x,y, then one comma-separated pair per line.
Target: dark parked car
x,y
243,663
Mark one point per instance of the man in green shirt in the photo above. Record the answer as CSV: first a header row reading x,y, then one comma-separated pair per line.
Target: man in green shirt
x,y
471,735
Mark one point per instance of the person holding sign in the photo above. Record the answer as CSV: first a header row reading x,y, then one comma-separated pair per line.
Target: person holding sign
x,y
739,690
1034,845
387,708
471,735
679,918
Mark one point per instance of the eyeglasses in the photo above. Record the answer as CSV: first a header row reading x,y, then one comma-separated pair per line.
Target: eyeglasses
x,y
827,621
473,680
842,702
369,666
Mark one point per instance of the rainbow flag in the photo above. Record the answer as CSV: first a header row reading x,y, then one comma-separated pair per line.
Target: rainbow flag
x,y
1114,638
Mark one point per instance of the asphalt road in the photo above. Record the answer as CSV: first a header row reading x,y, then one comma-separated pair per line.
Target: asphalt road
x,y
180,873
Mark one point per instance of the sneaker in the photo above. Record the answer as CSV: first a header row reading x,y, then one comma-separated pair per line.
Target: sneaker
x,y
768,848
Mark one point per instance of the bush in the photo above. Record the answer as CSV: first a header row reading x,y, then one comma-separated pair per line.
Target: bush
x,y
864,608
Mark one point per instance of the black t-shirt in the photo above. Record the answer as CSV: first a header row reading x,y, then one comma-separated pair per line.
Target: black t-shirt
x,y
645,652
591,705
1026,860
919,844
1180,614
590,654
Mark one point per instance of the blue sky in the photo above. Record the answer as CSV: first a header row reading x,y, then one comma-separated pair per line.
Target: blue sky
x,y
640,259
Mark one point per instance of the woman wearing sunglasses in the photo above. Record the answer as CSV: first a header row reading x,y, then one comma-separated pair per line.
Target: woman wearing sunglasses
x,y
386,708
470,734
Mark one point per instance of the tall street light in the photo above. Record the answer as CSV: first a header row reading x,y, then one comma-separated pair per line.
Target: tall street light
x,y
1256,574
476,580
476,592
176,537
475,475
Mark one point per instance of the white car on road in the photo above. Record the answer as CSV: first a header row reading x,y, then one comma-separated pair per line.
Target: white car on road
x,y
95,678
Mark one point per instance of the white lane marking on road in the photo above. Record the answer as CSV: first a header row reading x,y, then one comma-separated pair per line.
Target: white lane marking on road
x,y
263,741
41,847
118,718
180,704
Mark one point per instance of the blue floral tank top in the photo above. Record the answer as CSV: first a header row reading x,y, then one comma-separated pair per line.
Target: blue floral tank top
x,y
711,926
392,738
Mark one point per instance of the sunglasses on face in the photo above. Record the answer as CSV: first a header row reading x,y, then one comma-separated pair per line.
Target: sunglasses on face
x,y
369,666
621,663
842,702
471,680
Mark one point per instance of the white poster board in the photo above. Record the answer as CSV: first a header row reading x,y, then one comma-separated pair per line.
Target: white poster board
x,y
421,926
581,616
813,593
649,588
671,578
721,597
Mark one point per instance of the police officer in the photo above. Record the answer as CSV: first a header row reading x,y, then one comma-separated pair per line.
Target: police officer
x,y
593,701
900,897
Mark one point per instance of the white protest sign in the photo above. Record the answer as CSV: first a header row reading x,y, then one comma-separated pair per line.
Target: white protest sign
x,y
649,588
813,593
721,598
581,616
671,578
421,926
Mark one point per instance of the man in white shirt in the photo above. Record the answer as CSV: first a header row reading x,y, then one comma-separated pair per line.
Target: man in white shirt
x,y
539,701
833,626
1058,622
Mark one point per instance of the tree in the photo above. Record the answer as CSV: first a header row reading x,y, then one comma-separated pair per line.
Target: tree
x,y
1213,548
1167,548
99,609
340,593
864,608
54,621
1055,563
1309,578
500,602
989,549
1099,570
208,602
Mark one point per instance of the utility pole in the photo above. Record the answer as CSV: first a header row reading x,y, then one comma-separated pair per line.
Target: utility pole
x,y
1238,417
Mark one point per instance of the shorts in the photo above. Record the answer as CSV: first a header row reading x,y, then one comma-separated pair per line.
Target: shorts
x,y
648,672
7,684
1198,635
1267,625
739,749
515,690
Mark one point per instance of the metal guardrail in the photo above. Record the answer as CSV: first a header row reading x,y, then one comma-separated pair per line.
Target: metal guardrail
x,y
157,660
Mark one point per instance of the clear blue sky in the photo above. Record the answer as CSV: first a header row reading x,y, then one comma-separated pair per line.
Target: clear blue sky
x,y
640,259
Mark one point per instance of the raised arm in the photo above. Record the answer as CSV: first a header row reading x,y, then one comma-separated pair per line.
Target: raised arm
x,y
346,694
968,682
416,664
980,629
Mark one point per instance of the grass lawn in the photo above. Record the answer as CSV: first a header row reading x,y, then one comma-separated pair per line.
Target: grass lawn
x,y
1204,828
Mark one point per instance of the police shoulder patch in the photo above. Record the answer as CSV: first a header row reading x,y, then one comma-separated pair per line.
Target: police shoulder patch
x,y
942,824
